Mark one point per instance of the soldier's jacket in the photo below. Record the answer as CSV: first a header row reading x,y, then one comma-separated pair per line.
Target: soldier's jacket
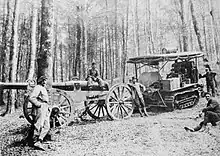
x,y
210,77
38,97
213,106
93,73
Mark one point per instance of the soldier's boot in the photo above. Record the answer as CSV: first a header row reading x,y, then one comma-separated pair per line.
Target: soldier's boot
x,y
140,112
197,128
145,111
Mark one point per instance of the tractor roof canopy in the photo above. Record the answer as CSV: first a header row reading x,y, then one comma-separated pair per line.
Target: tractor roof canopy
x,y
154,59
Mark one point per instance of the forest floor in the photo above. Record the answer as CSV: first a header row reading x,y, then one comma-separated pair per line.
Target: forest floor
x,y
160,134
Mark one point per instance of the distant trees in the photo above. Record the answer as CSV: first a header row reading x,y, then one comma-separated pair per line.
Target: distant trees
x,y
61,39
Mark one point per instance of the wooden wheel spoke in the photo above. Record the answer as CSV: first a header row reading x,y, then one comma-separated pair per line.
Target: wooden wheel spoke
x,y
119,94
93,107
121,112
96,109
116,97
60,122
65,107
63,117
103,111
126,98
65,112
61,103
124,110
122,93
129,107
113,107
114,102
99,111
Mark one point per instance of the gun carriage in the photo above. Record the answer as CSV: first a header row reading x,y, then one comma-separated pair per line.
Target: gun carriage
x,y
69,99
117,102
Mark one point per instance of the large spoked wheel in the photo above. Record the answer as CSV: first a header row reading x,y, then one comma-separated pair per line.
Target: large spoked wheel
x,y
97,109
60,104
119,102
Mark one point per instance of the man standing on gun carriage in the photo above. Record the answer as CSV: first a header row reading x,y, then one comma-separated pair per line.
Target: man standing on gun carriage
x,y
137,96
211,114
41,112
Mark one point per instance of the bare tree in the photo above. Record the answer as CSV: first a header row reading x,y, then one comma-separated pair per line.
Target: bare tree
x,y
46,43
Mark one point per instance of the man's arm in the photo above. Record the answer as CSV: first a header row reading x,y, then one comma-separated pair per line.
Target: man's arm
x,y
202,76
33,98
211,107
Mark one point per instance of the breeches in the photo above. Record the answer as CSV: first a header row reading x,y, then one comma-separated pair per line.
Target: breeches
x,y
210,87
42,121
211,117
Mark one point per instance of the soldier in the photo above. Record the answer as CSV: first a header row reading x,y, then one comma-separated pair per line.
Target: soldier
x,y
211,113
138,97
41,113
93,75
210,80
172,74
194,73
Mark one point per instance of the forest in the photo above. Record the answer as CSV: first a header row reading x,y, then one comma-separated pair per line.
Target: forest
x,y
61,39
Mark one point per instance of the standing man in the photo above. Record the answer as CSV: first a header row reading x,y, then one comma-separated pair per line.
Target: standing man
x,y
138,96
194,73
93,76
211,113
210,80
41,113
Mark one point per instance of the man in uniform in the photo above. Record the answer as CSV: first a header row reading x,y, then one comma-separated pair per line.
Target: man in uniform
x,y
93,76
210,80
211,113
172,74
194,73
41,113
138,96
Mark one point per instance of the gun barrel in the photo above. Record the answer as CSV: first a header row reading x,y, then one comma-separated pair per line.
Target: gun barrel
x,y
15,85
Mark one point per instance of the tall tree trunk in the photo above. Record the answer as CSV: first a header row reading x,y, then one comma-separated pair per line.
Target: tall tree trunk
x,y
13,58
214,38
117,55
61,61
204,33
195,25
78,46
184,28
44,60
31,69
136,28
125,43
5,27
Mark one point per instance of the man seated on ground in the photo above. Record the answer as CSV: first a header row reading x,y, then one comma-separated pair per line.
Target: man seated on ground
x,y
138,96
93,76
211,113
41,112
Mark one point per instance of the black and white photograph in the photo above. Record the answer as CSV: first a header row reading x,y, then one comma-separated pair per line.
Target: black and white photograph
x,y
109,77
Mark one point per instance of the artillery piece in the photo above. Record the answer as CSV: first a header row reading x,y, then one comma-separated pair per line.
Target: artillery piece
x,y
115,103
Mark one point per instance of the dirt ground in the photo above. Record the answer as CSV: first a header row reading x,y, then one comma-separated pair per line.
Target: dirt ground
x,y
159,134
